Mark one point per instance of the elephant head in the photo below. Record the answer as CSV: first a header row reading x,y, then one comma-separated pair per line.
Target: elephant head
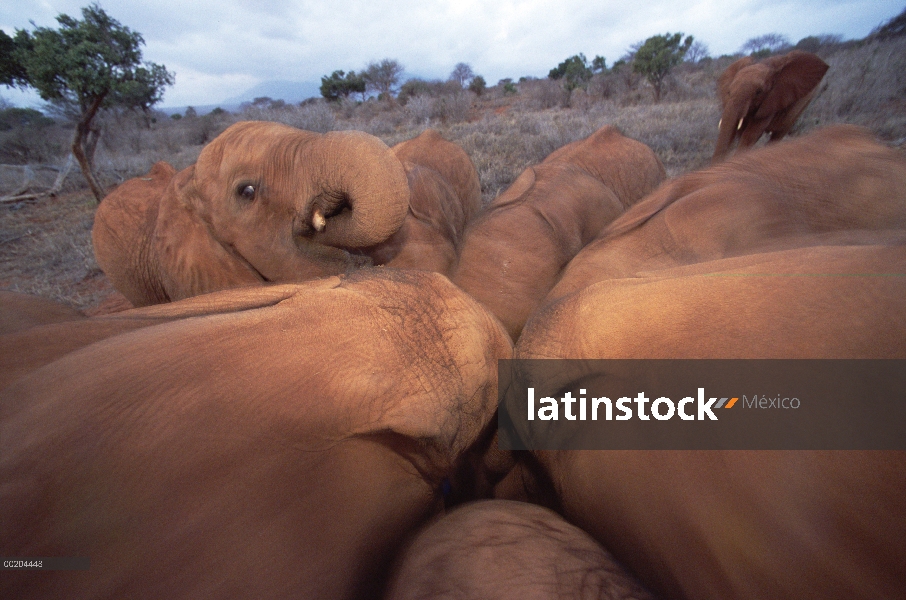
x,y
765,97
508,550
264,203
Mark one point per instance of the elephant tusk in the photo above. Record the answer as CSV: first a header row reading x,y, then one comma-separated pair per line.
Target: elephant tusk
x,y
318,221
719,123
738,127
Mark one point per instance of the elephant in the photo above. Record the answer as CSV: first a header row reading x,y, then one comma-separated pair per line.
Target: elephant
x,y
498,549
736,523
272,441
270,203
675,312
514,251
830,186
46,331
764,97
793,251
445,195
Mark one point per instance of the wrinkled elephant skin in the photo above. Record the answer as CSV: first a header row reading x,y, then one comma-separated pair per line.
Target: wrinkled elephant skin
x,y
270,442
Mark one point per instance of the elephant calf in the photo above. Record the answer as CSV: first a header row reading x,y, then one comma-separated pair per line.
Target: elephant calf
x,y
444,196
836,185
265,442
268,203
499,550
737,524
22,312
794,251
515,250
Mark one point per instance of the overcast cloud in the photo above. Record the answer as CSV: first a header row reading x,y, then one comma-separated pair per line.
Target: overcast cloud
x,y
221,49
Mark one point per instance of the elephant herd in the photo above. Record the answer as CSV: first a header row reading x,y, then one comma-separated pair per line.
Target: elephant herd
x,y
302,403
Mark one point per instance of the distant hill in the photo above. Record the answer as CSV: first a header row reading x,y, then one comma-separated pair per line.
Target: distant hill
x,y
200,110
288,91
291,92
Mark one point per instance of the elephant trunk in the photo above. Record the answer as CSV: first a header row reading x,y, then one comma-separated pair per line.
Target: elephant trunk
x,y
729,129
361,193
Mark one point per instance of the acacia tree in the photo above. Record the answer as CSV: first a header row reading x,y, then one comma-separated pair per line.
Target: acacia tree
x,y
462,74
92,64
599,64
478,85
657,56
574,71
624,67
383,76
765,45
12,71
340,84
697,52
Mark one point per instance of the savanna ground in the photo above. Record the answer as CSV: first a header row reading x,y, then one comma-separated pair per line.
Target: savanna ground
x,y
45,244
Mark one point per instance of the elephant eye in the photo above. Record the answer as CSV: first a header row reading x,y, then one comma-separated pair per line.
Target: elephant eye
x,y
247,192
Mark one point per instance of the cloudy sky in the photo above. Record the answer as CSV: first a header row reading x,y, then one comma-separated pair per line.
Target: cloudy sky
x,y
220,49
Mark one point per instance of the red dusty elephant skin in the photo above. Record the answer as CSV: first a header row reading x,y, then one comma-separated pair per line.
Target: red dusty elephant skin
x,y
835,185
765,97
503,550
270,203
515,250
267,442
742,261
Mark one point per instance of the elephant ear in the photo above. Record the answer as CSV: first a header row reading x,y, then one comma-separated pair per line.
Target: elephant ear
x,y
123,227
189,260
797,74
726,78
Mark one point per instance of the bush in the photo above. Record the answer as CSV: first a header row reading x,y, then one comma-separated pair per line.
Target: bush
x,y
478,85
22,117
420,109
657,56
453,108
413,88
27,136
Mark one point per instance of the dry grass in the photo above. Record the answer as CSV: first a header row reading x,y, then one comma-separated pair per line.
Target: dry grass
x,y
45,246
864,86
45,249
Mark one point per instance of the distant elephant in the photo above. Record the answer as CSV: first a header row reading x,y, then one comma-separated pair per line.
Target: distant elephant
x,y
270,203
765,97
515,250
497,550
824,188
267,442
